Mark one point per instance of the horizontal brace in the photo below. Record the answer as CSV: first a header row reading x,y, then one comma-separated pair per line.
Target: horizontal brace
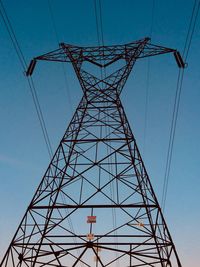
x,y
96,236
97,140
98,107
94,206
89,102
102,164
91,244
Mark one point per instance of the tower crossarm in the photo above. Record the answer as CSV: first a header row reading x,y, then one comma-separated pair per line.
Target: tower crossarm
x,y
154,50
103,56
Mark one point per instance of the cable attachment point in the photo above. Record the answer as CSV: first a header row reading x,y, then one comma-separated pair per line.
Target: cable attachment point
x,y
31,67
179,60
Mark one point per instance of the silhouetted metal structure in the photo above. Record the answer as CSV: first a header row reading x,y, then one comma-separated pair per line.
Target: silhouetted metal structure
x,y
95,205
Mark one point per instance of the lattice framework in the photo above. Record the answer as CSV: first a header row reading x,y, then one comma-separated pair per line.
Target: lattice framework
x,y
96,171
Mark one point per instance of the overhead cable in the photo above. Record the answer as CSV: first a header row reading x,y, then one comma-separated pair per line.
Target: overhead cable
x,y
22,60
62,63
148,78
190,33
100,37
71,226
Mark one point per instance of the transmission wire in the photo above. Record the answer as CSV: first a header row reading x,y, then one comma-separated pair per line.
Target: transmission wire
x,y
101,22
62,63
32,88
187,45
100,39
98,36
148,79
112,191
22,60
189,34
71,226
97,24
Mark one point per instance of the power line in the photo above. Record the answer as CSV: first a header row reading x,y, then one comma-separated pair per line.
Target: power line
x,y
71,226
192,31
171,138
32,88
101,30
100,37
187,45
192,24
62,63
97,24
53,21
148,78
101,22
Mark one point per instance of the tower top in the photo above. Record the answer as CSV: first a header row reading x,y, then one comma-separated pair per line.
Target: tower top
x,y
104,56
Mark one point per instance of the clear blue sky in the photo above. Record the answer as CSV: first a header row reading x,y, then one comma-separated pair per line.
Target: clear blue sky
x,y
23,154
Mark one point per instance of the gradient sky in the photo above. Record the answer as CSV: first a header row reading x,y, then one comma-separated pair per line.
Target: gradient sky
x,y
23,154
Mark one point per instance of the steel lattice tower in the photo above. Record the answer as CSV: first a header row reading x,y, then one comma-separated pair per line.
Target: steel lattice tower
x,y
95,205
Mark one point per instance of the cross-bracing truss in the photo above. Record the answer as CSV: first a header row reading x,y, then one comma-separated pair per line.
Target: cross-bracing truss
x,y
95,205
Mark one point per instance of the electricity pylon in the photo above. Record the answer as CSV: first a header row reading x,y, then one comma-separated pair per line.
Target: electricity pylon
x,y
95,205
